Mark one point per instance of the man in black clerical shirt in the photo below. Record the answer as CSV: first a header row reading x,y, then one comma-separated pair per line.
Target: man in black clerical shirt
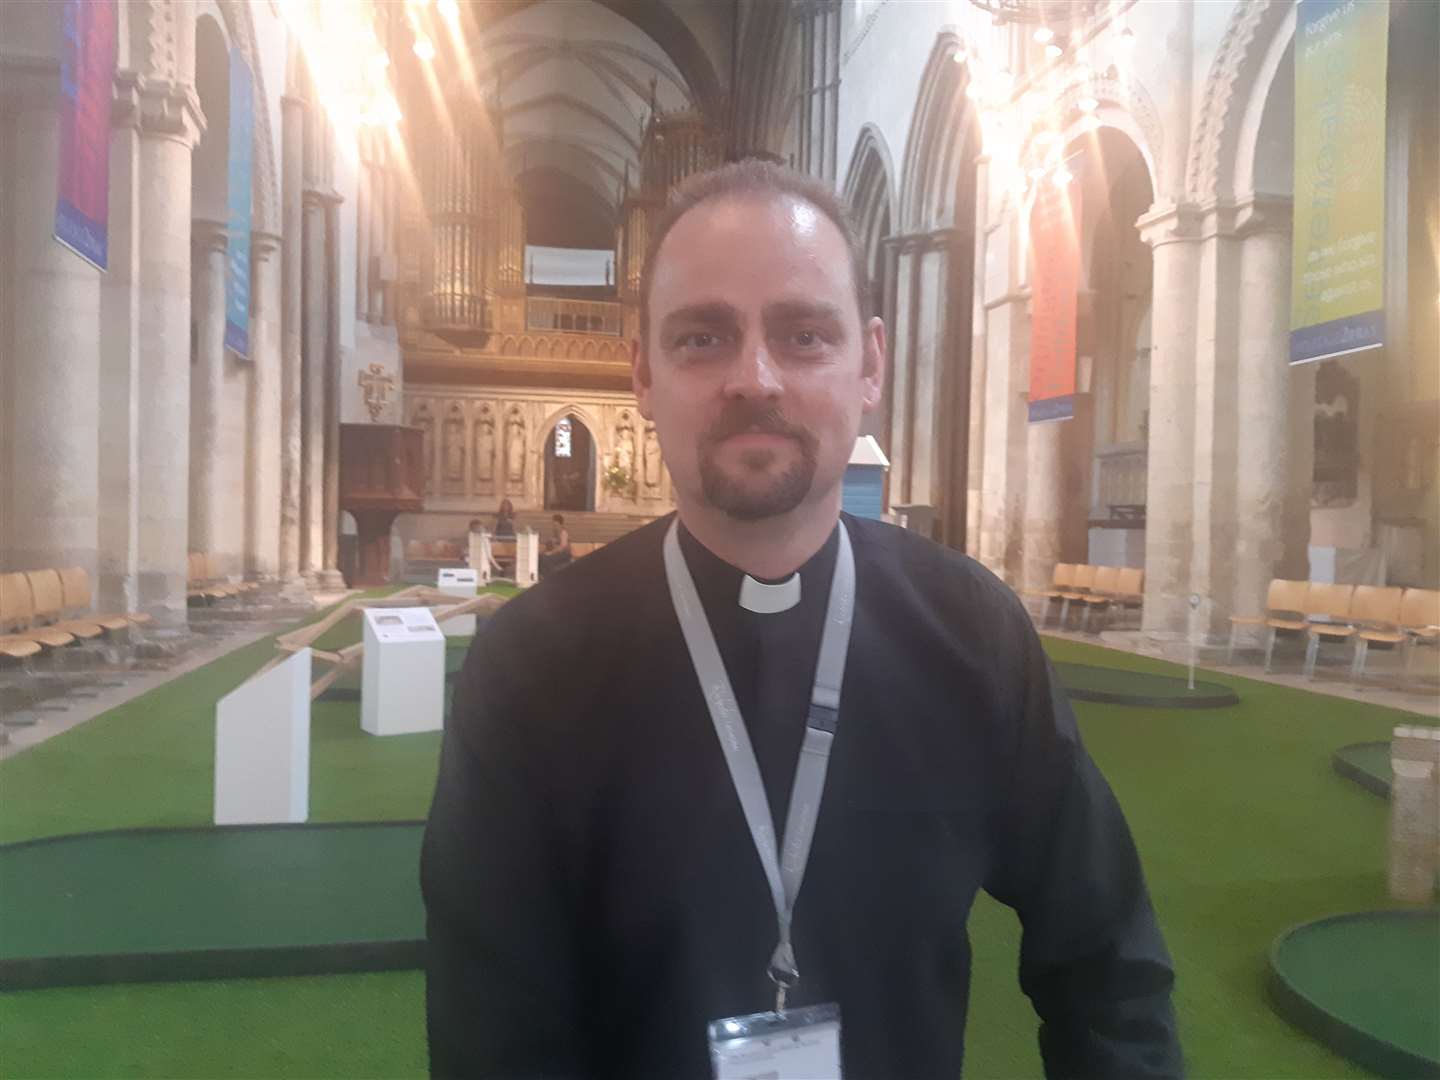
x,y
615,870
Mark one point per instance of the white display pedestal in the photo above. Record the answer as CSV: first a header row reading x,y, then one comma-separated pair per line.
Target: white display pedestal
x,y
527,558
481,557
262,747
402,689
458,583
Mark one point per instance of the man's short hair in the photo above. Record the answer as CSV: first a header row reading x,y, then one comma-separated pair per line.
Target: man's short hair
x,y
560,519
474,524
752,178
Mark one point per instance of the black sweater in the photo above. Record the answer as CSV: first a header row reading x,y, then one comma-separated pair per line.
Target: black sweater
x,y
594,897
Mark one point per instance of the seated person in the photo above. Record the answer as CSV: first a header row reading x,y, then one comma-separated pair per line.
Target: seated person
x,y
557,547
505,520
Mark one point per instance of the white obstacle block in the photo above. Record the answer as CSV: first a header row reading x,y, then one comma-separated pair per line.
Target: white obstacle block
x,y
481,558
262,747
527,558
402,688
458,582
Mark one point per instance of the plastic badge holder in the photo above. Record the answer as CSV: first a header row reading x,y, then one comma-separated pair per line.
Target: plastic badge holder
x,y
798,1044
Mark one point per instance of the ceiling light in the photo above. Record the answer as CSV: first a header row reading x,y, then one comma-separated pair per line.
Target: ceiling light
x,y
1087,104
972,90
449,9
1063,176
959,54
1044,35
1045,138
1036,173
424,48
1052,51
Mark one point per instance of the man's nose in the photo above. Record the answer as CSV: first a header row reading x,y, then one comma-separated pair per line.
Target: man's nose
x,y
754,373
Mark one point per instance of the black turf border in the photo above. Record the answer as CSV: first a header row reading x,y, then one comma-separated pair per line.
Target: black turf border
x,y
342,958
1352,1043
1350,771
1212,696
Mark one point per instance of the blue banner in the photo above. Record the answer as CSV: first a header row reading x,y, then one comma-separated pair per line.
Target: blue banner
x,y
87,78
237,258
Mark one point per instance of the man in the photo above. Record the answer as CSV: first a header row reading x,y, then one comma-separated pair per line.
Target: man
x,y
604,890
557,546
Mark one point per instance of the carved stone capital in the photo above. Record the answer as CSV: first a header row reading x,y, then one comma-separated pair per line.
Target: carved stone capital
x,y
264,245
1170,224
168,110
1264,213
207,235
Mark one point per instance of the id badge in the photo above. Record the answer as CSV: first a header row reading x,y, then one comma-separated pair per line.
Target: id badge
x,y
798,1044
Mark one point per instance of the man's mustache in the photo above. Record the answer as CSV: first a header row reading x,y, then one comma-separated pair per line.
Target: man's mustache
x,y
743,417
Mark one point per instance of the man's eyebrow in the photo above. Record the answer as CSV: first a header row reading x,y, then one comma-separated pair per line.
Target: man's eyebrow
x,y
708,312
794,310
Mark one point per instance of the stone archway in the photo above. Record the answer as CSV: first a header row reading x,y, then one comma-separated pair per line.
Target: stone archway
x,y
870,196
569,461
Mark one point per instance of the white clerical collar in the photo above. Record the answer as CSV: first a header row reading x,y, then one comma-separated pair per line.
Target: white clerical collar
x,y
766,599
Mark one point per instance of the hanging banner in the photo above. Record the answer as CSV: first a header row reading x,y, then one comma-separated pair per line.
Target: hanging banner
x,y
1337,302
1054,297
237,249
87,78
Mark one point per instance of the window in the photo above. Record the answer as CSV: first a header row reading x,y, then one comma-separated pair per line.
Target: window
x,y
562,437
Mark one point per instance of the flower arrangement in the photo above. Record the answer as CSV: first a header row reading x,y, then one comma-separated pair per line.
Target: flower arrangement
x,y
618,480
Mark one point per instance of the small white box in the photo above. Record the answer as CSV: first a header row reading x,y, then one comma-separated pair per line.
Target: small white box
x,y
262,747
402,688
459,582
527,558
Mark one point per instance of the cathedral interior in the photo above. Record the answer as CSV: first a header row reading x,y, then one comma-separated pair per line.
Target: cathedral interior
x,y
299,298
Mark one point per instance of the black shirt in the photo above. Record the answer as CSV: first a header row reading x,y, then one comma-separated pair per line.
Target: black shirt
x,y
593,892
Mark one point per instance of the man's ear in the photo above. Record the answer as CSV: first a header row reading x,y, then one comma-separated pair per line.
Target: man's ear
x,y
640,376
872,364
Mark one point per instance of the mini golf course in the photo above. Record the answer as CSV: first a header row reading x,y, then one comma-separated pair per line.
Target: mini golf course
x,y
1244,829
1367,763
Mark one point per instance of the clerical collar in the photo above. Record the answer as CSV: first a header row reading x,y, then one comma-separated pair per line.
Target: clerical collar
x,y
719,582
764,598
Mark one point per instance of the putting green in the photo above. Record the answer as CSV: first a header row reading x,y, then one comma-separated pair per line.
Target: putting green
x,y
1367,985
1113,686
142,905
1367,763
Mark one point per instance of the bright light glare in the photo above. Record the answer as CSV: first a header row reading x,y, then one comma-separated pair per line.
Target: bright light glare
x,y
1044,35
448,9
1052,50
1063,176
1087,104
346,62
424,47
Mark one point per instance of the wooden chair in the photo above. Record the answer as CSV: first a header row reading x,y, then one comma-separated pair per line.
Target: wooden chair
x,y
1327,618
1129,589
1061,580
200,584
1376,613
1081,585
1102,592
75,587
1419,621
1284,614
48,594
17,616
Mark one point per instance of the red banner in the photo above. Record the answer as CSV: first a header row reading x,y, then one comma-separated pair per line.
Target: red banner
x,y
87,77
1055,243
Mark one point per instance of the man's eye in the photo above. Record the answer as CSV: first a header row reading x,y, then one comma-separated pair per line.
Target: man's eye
x,y
806,339
700,339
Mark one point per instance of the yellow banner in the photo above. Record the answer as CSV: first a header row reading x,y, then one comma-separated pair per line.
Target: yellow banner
x,y
1338,280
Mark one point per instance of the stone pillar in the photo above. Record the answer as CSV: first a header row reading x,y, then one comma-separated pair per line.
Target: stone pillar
x,y
1300,468
1264,404
170,126
1044,502
975,442
116,587
901,376
292,277
1007,366
313,348
364,193
331,578
1169,504
262,465
51,406
208,491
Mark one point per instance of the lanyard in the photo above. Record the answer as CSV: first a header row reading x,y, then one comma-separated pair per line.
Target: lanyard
x,y
785,872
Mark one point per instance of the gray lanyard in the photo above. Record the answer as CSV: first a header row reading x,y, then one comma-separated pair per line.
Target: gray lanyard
x,y
785,873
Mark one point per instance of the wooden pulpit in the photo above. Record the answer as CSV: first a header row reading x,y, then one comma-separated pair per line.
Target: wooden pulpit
x,y
382,474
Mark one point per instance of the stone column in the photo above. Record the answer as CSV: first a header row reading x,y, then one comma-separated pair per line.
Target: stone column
x,y
364,193
262,465
1300,468
292,277
901,376
312,439
1044,502
1264,404
331,578
170,126
1007,366
208,492
1173,233
975,450
51,404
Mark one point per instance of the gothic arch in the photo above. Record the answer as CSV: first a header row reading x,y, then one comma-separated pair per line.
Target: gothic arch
x,y
1246,49
767,82
1124,106
942,144
240,24
870,181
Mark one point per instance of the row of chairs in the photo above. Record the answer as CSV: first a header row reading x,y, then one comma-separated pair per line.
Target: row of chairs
x,y
41,610
1102,589
204,584
1364,615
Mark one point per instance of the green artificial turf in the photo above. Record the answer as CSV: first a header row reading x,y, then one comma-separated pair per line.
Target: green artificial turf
x,y
1243,827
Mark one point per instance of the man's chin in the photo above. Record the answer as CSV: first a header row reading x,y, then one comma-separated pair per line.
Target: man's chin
x,y
754,498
